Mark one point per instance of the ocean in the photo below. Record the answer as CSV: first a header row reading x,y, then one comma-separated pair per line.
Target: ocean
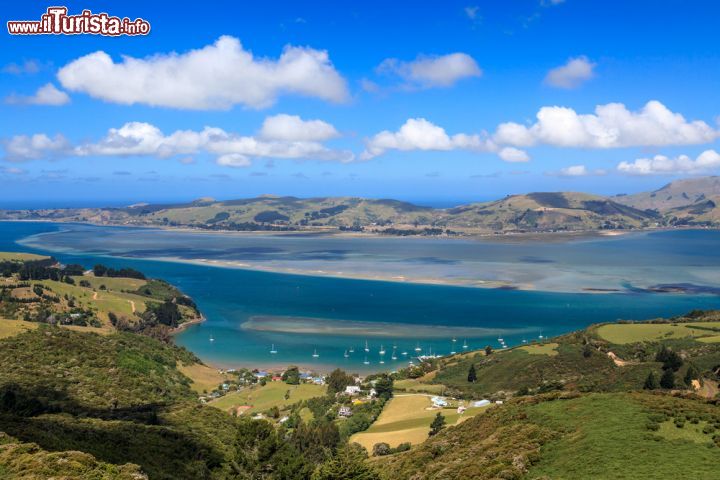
x,y
322,322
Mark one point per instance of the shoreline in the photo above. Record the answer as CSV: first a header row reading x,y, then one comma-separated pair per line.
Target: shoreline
x,y
529,236
183,326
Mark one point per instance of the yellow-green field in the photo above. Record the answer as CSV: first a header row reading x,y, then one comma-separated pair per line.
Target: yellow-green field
x,y
407,418
104,301
8,328
271,395
541,349
113,283
203,378
21,257
415,385
623,333
690,431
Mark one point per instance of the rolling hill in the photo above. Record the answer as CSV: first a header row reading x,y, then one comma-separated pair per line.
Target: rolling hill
x,y
532,212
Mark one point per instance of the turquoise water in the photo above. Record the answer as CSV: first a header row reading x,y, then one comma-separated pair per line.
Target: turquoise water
x,y
241,305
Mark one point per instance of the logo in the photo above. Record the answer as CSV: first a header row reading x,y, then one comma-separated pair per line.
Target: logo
x,y
56,21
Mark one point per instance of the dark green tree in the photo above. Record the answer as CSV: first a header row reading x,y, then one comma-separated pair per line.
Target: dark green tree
x,y
384,387
347,464
667,380
488,350
472,375
691,374
338,380
651,382
437,424
291,376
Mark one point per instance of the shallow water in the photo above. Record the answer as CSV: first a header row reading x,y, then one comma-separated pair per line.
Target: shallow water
x,y
248,311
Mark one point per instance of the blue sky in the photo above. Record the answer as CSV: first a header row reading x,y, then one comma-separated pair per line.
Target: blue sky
x,y
476,99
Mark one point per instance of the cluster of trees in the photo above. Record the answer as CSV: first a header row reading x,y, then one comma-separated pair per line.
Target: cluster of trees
x,y
381,449
44,269
671,363
103,271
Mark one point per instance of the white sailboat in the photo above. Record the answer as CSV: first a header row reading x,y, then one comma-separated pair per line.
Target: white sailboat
x,y
211,338
346,354
365,362
272,349
394,354
352,350
417,348
465,345
315,353
382,350
367,348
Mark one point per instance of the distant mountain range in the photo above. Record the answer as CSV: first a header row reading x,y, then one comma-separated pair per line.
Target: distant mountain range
x,y
690,202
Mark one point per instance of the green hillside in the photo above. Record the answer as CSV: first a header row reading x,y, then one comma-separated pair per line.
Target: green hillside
x,y
690,202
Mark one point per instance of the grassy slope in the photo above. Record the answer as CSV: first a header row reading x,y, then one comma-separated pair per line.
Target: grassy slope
x,y
9,328
28,461
407,418
271,395
591,436
111,397
607,437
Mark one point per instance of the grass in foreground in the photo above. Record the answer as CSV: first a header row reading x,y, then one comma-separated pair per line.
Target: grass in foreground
x,y
567,436
607,437
261,398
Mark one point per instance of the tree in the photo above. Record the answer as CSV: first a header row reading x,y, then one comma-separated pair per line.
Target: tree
x,y
384,387
291,376
587,350
651,382
488,350
338,380
381,449
669,359
347,464
691,374
472,376
437,424
667,380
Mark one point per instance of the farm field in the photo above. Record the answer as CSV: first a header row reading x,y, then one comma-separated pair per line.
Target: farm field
x,y
262,398
624,333
9,328
203,378
541,349
407,418
16,256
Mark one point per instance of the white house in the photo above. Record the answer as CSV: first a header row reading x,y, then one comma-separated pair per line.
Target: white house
x,y
439,402
481,403
352,389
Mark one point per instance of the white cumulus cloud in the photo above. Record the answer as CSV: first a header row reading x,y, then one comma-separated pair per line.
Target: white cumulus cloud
x,y
572,74
48,94
662,165
217,76
610,126
432,71
293,128
34,147
302,141
420,134
512,154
